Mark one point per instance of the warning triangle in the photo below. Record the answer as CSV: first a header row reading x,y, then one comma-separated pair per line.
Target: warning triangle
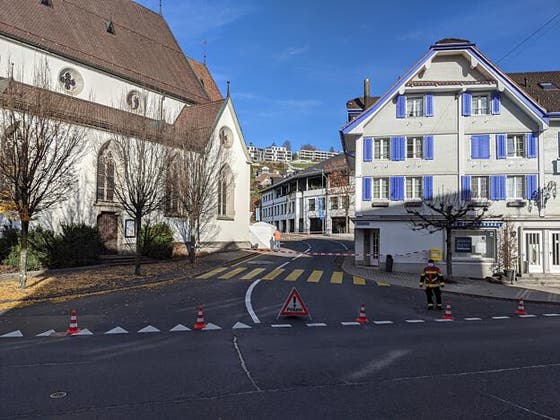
x,y
294,305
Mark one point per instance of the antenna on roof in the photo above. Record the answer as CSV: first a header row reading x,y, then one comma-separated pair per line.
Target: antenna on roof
x,y
160,7
205,44
227,89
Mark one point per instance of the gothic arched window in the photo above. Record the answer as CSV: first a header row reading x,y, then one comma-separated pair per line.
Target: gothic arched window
x,y
225,192
105,175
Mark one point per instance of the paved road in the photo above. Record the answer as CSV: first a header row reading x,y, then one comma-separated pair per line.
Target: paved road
x,y
506,368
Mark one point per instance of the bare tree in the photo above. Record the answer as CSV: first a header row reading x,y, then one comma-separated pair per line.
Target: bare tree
x,y
203,182
38,154
142,162
445,213
339,184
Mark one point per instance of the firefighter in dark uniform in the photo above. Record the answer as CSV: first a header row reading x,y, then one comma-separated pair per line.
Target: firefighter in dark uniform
x,y
432,279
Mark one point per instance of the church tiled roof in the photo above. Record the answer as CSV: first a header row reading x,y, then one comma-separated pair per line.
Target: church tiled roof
x,y
141,48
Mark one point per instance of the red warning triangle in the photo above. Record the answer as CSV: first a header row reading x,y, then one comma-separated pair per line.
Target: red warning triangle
x,y
294,305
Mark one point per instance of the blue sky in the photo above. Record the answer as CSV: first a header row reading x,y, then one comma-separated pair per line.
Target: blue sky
x,y
294,63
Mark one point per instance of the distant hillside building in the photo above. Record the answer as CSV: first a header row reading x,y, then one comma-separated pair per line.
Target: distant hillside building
x,y
270,154
315,155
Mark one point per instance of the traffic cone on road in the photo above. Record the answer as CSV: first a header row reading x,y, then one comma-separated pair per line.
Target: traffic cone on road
x,y
362,319
199,324
73,327
520,308
447,314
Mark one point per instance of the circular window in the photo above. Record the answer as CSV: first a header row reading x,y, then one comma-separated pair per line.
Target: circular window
x,y
134,100
71,81
226,137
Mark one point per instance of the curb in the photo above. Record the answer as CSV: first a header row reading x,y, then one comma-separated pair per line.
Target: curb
x,y
136,285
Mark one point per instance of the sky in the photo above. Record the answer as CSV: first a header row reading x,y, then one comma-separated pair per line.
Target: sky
x,y
293,64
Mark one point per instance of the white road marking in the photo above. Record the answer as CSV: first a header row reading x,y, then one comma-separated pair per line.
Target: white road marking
x,y
527,316
316,324
473,319
377,365
551,314
443,320
46,333
83,331
239,325
117,330
414,321
16,333
500,317
179,328
149,329
281,325
211,327
382,322
346,324
244,365
248,304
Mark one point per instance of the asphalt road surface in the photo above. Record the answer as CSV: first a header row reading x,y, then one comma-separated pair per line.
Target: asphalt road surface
x,y
403,364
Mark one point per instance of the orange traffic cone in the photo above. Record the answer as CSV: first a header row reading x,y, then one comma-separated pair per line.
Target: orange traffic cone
x,y
199,324
447,314
362,319
520,308
73,327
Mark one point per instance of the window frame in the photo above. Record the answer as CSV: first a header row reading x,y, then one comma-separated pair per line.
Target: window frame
x,y
417,147
378,147
311,207
420,188
412,109
476,187
522,140
518,183
379,181
474,104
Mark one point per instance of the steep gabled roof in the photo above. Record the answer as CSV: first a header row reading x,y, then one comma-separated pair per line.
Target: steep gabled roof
x,y
198,122
533,84
142,48
206,79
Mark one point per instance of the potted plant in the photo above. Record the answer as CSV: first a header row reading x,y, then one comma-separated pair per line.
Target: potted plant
x,y
508,250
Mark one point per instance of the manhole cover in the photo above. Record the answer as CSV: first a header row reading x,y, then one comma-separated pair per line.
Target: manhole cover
x,y
58,394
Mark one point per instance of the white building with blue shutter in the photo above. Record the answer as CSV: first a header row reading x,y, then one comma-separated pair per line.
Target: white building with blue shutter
x,y
455,123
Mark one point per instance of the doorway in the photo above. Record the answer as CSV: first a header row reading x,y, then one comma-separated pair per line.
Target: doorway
x,y
533,251
107,223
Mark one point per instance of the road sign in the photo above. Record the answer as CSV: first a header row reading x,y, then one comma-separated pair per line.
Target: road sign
x,y
294,306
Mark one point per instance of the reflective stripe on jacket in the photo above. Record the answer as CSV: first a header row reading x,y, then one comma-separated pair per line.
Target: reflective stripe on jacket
x,y
431,277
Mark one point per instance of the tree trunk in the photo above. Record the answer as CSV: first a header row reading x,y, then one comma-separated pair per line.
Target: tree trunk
x,y
138,253
448,254
23,255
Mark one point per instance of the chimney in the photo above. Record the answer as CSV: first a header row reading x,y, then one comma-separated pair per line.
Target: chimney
x,y
366,92
525,82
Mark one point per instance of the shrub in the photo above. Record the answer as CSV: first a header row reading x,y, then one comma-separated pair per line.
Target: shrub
x,y
33,259
157,241
8,239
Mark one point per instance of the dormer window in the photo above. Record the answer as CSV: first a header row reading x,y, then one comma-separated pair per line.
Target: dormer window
x,y
46,3
548,86
109,27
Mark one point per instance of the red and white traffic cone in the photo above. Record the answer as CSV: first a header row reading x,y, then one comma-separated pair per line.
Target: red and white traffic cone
x,y
447,314
199,324
362,319
521,308
73,327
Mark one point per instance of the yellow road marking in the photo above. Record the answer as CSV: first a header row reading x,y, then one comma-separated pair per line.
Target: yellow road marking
x,y
379,283
315,276
358,281
273,274
252,274
232,273
294,275
336,277
212,273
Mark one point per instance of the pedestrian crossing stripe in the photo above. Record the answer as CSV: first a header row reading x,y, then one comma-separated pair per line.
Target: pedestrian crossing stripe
x,y
294,275
336,277
379,283
212,273
231,273
273,274
252,274
359,281
315,276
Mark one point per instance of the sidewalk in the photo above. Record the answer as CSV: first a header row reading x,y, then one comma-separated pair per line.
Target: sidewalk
x,y
461,286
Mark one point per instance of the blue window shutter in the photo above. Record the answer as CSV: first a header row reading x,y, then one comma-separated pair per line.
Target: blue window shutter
x,y
501,147
368,149
402,146
366,189
531,145
502,183
484,147
475,147
429,147
429,105
397,188
498,187
467,98
395,150
493,188
466,188
401,106
530,186
496,103
428,185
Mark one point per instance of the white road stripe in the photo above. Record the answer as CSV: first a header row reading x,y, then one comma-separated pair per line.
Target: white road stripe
x,y
551,314
527,316
443,320
248,304
382,322
473,319
346,324
414,321
316,324
281,325
500,317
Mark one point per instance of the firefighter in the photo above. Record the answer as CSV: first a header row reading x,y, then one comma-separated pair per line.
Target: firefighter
x,y
432,279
